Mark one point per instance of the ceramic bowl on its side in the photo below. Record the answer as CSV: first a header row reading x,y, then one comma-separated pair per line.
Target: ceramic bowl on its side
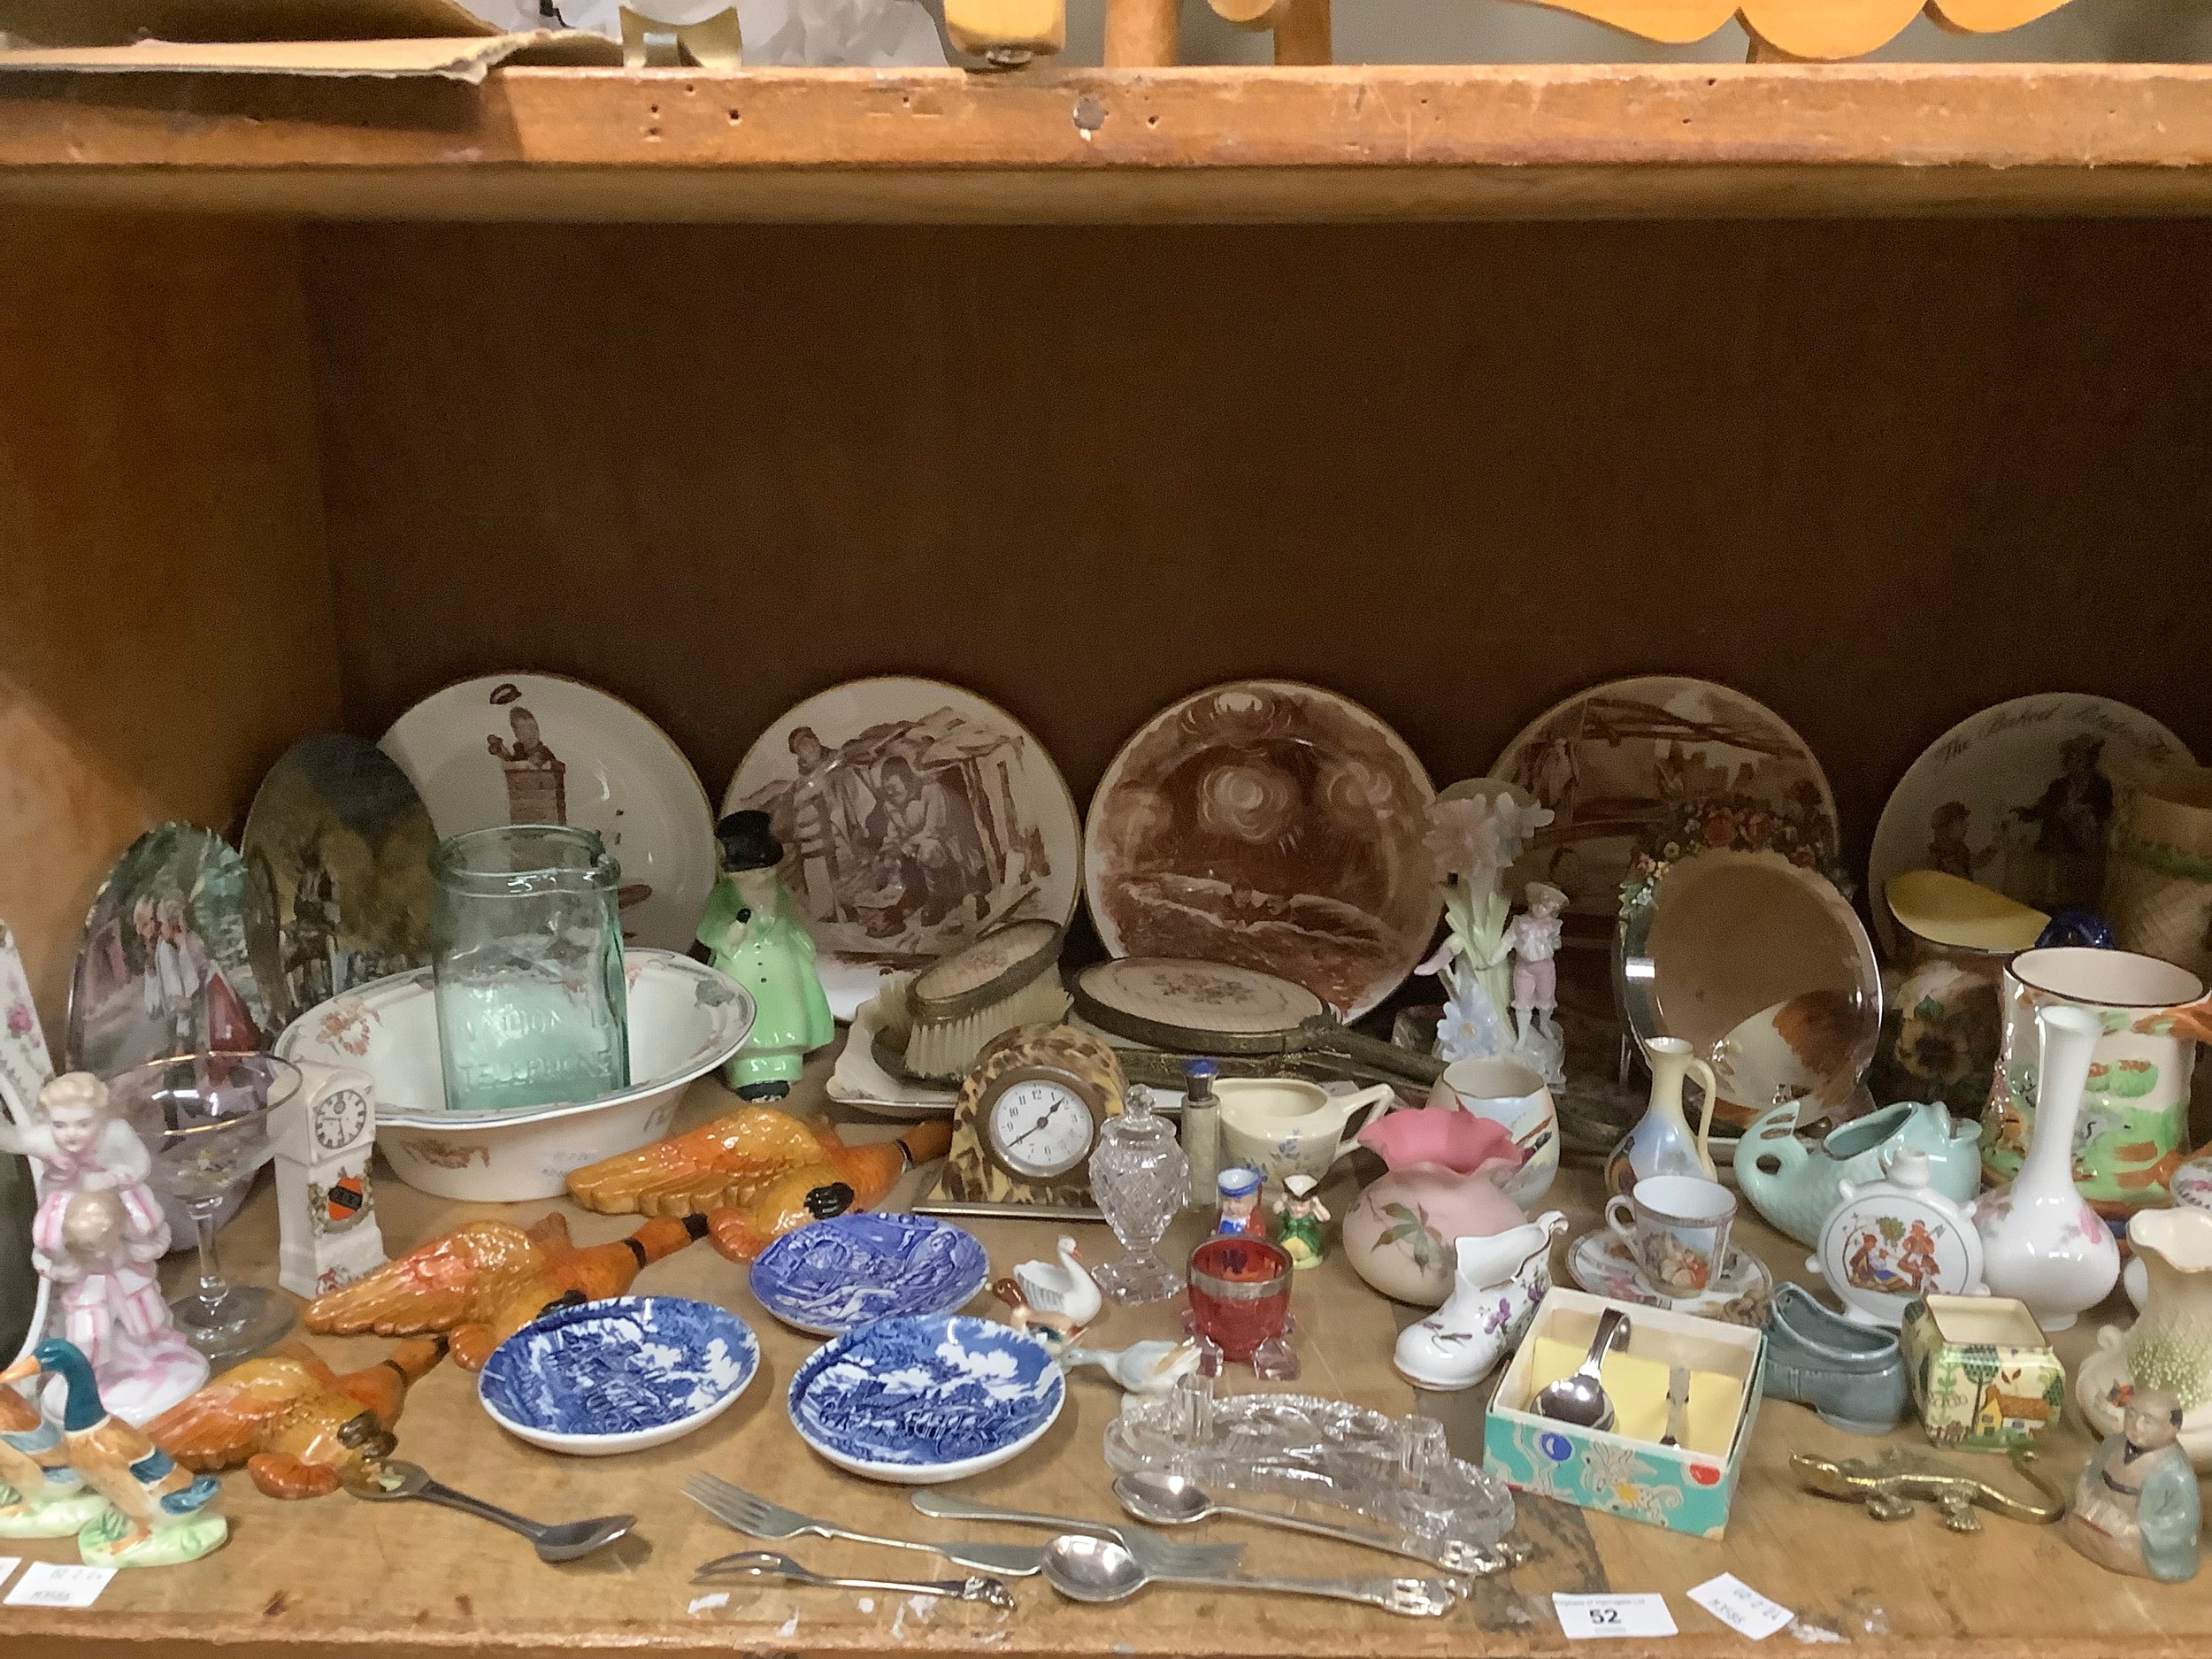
x,y
685,1019
618,1375
921,1401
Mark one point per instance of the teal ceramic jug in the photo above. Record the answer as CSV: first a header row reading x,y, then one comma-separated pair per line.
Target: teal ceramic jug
x,y
1794,1184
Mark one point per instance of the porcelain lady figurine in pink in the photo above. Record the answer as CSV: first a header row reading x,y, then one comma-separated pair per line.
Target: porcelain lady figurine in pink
x,y
1445,1167
2041,1243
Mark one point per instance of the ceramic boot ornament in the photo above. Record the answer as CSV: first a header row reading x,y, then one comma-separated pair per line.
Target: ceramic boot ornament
x,y
2041,1243
1500,1281
2136,1508
157,1514
758,936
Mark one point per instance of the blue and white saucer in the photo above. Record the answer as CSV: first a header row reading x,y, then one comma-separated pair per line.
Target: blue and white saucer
x,y
921,1401
830,1276
618,1375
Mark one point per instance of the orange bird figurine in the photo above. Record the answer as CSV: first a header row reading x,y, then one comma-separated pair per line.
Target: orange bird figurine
x,y
485,1280
300,1429
756,1173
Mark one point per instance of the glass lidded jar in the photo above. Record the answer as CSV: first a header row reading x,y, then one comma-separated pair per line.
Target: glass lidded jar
x,y
1139,1179
526,947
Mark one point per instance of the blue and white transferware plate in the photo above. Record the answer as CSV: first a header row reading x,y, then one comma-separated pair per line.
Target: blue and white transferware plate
x,y
618,1375
921,1401
830,1276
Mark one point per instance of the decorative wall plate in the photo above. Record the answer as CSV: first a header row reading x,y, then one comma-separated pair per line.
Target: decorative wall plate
x,y
913,815
1763,968
618,1375
342,842
179,953
923,1400
1272,825
1643,764
537,748
2018,798
853,1269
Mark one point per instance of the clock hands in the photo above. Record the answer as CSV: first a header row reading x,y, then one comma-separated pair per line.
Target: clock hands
x,y
1050,1113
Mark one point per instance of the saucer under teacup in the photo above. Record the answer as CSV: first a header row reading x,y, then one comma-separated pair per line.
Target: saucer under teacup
x,y
1603,1265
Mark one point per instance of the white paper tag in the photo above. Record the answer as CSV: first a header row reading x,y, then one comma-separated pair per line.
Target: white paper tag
x,y
8,1565
1740,1607
52,1584
1584,1616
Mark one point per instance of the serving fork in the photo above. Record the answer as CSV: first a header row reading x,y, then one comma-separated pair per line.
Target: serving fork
x,y
756,1516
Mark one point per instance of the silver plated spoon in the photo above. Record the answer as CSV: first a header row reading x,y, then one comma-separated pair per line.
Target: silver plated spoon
x,y
1173,1501
1579,1398
566,1540
1087,1569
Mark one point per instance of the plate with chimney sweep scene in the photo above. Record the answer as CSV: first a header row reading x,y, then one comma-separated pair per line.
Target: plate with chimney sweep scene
x,y
180,953
913,816
341,842
1271,826
537,748
1661,767
2018,798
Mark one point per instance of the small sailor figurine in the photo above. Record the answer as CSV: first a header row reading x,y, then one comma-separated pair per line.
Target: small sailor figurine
x,y
1238,1191
759,937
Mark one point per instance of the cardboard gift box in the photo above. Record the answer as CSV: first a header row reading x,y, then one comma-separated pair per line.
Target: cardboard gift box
x,y
1686,1489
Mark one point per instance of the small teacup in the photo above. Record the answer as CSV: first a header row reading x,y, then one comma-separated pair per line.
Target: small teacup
x,y
1676,1228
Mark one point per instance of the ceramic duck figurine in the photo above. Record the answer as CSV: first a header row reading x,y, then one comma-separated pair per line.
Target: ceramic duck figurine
x,y
159,1513
1500,1281
1443,1184
1053,1300
756,1173
2041,1243
41,1495
1142,1367
300,1429
485,1280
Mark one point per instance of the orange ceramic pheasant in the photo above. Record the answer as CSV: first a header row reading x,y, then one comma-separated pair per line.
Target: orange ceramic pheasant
x,y
485,1280
756,1172
299,1428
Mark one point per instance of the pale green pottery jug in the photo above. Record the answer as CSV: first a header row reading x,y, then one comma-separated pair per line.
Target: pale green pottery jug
x,y
1796,1184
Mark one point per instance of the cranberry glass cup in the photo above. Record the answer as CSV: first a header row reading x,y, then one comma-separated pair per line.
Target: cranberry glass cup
x,y
1239,1294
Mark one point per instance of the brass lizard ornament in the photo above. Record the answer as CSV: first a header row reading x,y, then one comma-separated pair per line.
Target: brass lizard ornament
x,y
1887,1487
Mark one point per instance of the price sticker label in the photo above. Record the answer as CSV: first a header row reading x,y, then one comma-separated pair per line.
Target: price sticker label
x,y
8,1565
1584,1618
1740,1607
52,1584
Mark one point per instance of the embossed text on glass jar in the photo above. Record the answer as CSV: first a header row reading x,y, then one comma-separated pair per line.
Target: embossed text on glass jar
x,y
527,944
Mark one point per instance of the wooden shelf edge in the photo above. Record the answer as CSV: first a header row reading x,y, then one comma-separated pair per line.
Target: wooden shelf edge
x,y
1369,143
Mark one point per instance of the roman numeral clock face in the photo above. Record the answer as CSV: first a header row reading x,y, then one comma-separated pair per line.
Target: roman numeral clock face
x,y
340,1119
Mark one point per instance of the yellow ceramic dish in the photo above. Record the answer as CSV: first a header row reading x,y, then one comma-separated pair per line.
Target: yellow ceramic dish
x,y
1638,1387
1950,911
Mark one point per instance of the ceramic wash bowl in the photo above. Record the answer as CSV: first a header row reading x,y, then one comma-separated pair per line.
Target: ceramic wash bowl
x,y
618,1375
685,1017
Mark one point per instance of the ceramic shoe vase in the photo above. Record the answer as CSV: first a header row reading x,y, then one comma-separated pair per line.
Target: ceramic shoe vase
x,y
2041,1243
1500,1280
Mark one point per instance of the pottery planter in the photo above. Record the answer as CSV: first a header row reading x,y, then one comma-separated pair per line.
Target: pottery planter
x,y
1446,1172
1796,1184
2134,1119
1983,1374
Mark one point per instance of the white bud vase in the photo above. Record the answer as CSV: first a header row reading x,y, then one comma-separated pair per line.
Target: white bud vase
x,y
2041,1243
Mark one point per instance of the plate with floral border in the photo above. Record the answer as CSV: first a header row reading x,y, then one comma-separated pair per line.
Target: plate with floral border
x,y
913,815
539,748
1272,825
864,1265
2018,798
1602,1265
1645,764
922,1401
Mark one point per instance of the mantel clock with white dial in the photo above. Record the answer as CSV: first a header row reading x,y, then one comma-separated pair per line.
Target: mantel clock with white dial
x,y
1025,1122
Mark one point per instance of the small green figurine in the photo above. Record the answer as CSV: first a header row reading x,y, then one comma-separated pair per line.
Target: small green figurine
x,y
1302,1218
759,938
2135,1507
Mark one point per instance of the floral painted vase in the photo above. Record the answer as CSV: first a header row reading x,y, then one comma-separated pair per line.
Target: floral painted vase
x,y
1444,1184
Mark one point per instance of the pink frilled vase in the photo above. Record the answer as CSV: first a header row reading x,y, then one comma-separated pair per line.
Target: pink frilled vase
x,y
1443,1185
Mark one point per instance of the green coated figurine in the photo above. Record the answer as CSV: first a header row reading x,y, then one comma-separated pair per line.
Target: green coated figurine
x,y
759,937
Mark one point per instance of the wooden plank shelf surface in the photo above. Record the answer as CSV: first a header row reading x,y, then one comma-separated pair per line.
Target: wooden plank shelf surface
x,y
1187,144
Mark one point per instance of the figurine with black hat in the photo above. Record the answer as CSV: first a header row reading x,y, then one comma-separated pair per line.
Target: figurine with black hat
x,y
758,936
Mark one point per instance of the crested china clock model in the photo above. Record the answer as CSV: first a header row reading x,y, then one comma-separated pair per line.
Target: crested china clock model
x,y
1025,1124
326,1210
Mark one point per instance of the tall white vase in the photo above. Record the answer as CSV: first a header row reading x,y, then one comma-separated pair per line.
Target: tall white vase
x,y
2041,1241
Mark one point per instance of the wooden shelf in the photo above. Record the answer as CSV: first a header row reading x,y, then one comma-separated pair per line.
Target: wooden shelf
x,y
1126,146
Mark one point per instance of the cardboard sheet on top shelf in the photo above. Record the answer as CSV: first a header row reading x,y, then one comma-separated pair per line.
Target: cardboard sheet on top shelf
x,y
365,38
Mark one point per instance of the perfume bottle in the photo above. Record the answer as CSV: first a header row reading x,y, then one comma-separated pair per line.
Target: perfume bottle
x,y
1201,1127
1140,1178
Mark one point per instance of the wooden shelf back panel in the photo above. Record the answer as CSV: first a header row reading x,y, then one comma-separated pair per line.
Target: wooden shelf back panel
x,y
1131,144
1877,475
